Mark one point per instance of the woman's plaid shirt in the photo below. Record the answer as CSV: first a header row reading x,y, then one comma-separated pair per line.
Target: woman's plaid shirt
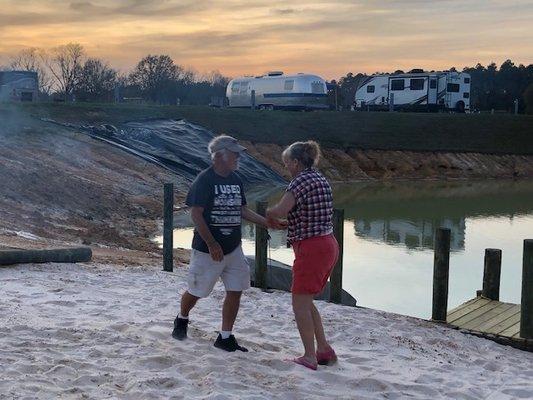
x,y
312,214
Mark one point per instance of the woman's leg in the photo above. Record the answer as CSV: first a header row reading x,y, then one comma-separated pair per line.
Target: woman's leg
x,y
322,343
302,305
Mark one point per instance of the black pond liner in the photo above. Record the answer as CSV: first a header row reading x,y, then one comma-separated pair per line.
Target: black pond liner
x,y
176,145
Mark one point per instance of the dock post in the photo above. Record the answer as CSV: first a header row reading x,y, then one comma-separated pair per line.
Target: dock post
x,y
168,227
441,272
252,100
526,308
491,274
261,243
335,280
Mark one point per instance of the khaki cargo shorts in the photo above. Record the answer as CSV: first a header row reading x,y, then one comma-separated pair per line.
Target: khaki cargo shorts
x,y
233,270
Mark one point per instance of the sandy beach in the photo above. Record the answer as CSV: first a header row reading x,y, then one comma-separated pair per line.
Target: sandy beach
x,y
102,331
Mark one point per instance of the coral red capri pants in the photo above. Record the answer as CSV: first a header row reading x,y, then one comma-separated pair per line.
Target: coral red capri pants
x,y
314,259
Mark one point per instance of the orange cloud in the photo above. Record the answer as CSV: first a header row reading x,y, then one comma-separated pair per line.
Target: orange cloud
x,y
327,37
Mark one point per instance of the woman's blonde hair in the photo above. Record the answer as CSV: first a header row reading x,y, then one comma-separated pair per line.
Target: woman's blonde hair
x,y
307,153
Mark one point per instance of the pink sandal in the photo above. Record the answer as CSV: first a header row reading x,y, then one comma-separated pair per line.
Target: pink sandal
x,y
327,357
304,362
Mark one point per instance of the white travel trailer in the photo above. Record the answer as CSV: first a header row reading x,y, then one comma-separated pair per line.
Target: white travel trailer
x,y
18,86
276,90
417,91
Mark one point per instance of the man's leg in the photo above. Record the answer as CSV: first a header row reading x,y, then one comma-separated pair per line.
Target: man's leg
x,y
181,322
302,305
230,309
225,340
188,301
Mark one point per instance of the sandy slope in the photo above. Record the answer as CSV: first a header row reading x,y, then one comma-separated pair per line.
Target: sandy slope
x,y
97,331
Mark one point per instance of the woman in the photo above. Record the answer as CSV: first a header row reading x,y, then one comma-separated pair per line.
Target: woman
x,y
308,206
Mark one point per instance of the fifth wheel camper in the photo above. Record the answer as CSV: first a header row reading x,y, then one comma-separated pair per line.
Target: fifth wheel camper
x,y
415,91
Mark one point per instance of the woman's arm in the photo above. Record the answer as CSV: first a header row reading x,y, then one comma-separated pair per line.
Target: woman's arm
x,y
252,216
282,208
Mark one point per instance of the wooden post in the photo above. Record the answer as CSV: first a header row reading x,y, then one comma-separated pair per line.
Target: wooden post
x,y
335,280
261,243
168,227
441,272
526,309
491,274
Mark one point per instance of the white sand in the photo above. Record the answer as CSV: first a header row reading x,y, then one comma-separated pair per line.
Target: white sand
x,y
98,332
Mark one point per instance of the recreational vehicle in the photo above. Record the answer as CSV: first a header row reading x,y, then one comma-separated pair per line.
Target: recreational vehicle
x,y
18,86
417,91
276,90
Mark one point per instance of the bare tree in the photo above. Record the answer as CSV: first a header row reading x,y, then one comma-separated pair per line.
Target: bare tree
x,y
32,59
65,63
215,78
157,77
96,81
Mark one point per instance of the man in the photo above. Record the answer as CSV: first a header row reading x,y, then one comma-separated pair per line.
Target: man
x,y
218,203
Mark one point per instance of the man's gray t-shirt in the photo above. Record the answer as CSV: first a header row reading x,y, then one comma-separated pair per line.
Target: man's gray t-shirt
x,y
222,199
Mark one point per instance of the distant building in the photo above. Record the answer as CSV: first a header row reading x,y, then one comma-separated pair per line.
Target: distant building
x,y
19,86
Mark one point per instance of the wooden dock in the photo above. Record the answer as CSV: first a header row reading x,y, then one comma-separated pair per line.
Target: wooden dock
x,y
491,319
485,315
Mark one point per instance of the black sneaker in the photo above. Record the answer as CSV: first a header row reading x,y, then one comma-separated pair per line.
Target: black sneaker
x,y
229,344
180,328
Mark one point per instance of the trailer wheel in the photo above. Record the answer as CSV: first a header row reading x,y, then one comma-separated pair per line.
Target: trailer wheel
x,y
460,107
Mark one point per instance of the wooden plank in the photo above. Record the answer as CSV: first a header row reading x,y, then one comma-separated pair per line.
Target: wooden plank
x,y
474,314
500,307
512,328
467,307
496,329
487,325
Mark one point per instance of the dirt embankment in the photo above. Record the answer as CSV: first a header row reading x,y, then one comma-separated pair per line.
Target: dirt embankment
x,y
62,186
341,165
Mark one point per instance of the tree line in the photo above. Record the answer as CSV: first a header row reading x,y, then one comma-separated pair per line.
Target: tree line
x,y
67,74
491,87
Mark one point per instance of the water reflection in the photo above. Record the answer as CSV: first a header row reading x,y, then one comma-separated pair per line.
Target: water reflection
x,y
408,213
388,238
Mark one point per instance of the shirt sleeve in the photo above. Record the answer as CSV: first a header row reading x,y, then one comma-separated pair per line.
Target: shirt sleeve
x,y
199,193
297,188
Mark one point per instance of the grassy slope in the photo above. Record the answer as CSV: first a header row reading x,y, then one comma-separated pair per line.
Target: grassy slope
x,y
391,131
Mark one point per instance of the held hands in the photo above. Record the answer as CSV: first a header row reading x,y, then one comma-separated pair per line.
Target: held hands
x,y
215,250
274,223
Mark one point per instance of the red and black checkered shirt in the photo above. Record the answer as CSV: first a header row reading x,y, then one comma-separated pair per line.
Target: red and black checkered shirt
x,y
313,211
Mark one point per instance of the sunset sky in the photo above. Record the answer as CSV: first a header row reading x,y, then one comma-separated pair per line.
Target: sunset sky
x,y
326,37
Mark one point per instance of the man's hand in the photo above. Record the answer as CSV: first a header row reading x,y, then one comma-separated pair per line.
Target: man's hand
x,y
216,251
274,223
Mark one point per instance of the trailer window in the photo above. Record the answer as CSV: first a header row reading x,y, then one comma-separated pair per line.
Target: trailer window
x,y
466,95
370,89
467,80
244,87
453,88
397,84
433,84
289,85
317,87
417,84
235,87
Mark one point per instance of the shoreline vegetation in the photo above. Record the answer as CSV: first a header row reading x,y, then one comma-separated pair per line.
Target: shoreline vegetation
x,y
421,132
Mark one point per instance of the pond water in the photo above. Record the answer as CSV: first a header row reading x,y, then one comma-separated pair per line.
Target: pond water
x,y
388,238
